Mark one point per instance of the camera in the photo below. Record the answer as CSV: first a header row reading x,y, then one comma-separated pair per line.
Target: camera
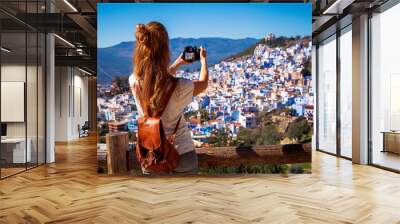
x,y
191,54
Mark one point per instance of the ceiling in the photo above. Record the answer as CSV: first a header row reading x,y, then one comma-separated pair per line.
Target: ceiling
x,y
73,21
330,15
214,1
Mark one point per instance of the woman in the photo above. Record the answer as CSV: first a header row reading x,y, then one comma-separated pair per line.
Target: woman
x,y
153,72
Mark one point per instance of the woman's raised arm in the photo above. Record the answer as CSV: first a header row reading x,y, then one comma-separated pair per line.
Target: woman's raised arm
x,y
173,68
201,84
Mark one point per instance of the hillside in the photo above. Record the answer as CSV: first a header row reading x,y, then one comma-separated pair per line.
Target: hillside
x,y
117,60
283,42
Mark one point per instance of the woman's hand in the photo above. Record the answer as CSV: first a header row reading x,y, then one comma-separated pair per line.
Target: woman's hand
x,y
173,68
203,55
179,61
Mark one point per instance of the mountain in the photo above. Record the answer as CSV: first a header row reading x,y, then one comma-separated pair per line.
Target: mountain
x,y
117,60
283,42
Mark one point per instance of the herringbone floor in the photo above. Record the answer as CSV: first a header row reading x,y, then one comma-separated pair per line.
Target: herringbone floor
x,y
70,191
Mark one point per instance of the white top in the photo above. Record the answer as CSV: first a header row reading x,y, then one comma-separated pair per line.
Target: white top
x,y
181,97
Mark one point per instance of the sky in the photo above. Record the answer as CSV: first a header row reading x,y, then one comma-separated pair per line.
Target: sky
x,y
116,21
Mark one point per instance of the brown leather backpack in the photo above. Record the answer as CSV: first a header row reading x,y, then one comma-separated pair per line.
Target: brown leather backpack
x,y
154,150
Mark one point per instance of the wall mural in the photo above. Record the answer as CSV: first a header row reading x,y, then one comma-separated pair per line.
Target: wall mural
x,y
233,81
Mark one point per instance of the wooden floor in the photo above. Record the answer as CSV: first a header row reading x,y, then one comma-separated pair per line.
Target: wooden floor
x,y
70,191
386,159
10,171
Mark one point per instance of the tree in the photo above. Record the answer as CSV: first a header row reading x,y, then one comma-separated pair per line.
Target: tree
x,y
132,136
103,129
133,107
264,119
299,130
269,135
117,81
221,137
204,115
246,136
189,114
121,83
306,71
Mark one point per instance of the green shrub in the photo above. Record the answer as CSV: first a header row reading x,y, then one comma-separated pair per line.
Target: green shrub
x,y
296,169
247,169
299,130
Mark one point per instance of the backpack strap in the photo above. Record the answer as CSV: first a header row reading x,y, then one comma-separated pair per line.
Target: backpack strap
x,y
172,137
168,96
144,104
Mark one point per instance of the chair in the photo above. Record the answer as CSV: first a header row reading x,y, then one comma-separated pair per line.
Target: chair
x,y
84,130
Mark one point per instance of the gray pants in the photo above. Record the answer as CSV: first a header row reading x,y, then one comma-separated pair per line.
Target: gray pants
x,y
187,164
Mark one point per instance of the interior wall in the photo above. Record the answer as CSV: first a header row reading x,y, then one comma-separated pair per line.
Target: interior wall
x,y
92,98
314,87
33,127
80,105
61,103
71,102
15,73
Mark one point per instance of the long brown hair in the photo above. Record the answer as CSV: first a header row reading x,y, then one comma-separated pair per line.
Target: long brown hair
x,y
151,61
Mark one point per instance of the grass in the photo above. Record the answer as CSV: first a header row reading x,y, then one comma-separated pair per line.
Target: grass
x,y
259,169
